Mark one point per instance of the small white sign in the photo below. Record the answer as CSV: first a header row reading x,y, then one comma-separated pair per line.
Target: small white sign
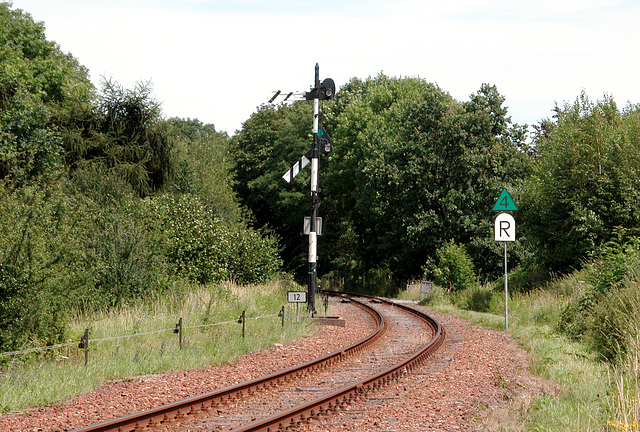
x,y
297,296
505,228
307,225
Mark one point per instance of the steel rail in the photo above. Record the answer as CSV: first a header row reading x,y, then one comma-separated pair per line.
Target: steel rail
x,y
172,412
341,397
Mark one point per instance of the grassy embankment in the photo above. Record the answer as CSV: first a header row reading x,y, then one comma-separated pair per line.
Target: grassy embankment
x,y
591,395
50,378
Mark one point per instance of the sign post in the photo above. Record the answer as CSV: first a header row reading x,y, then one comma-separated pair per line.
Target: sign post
x,y
505,231
297,297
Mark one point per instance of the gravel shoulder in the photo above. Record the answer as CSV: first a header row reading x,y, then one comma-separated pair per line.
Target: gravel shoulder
x,y
474,382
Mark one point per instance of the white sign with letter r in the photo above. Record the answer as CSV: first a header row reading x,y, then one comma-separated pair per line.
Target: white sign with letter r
x,y
505,228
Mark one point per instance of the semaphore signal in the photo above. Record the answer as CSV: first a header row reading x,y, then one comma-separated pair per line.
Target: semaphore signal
x,y
324,90
297,167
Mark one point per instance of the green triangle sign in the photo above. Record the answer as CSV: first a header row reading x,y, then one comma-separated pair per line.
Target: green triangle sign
x,y
505,202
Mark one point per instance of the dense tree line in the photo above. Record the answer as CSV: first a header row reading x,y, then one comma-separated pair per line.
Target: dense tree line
x,y
411,170
102,200
420,170
414,170
584,190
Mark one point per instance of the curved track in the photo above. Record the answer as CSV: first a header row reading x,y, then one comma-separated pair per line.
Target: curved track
x,y
403,338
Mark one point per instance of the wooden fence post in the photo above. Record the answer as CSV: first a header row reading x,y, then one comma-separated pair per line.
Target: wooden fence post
x,y
281,314
242,320
84,343
178,330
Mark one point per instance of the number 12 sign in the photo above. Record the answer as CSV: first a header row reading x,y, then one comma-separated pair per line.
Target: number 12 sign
x,y
297,296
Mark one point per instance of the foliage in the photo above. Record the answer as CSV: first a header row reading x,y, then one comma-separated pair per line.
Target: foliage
x,y
35,228
202,166
437,296
604,312
616,260
39,86
454,269
585,182
124,134
527,276
65,251
119,262
614,321
412,168
478,298
86,184
270,141
203,248
605,315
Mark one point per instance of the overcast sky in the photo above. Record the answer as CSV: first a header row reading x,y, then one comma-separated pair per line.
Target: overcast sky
x,y
218,60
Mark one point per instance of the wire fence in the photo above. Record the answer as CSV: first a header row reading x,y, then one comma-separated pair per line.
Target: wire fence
x,y
178,329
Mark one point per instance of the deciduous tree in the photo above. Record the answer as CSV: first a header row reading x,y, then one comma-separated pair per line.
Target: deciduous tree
x,y
585,182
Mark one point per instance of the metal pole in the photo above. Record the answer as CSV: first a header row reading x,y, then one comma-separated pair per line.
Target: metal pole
x,y
315,202
506,290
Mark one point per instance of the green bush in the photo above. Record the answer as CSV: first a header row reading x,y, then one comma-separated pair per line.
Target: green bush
x,y
477,298
615,318
203,248
202,165
437,296
606,275
615,260
61,251
575,318
454,269
527,277
254,258
604,307
35,242
122,263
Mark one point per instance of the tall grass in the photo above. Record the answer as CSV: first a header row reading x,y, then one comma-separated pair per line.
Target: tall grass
x,y
582,379
625,404
619,339
55,376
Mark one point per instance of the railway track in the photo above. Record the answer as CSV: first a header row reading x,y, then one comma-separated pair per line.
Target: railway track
x,y
403,338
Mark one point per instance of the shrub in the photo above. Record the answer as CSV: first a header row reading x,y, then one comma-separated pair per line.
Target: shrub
x,y
597,299
615,318
575,318
122,263
527,276
436,297
455,268
203,248
35,241
615,261
477,298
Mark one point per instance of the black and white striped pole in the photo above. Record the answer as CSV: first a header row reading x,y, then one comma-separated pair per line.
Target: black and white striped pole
x,y
314,204
324,90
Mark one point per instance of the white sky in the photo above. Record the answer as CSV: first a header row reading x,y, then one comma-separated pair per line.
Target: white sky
x,y
218,60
